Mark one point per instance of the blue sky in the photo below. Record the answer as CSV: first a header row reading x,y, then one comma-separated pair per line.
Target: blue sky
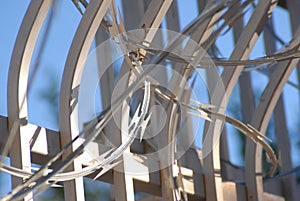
x,y
65,23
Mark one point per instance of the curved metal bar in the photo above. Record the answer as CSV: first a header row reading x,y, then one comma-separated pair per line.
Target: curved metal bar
x,y
261,118
71,78
280,124
105,161
18,83
199,35
230,76
150,21
214,191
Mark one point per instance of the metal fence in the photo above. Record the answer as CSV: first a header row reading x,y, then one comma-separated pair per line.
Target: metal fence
x,y
129,144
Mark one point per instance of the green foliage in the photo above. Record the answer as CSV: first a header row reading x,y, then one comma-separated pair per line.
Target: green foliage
x,y
96,191
51,96
50,194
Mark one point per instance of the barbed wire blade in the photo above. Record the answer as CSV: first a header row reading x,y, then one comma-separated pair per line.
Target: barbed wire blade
x,y
201,115
76,3
103,156
258,133
106,168
144,125
205,105
135,117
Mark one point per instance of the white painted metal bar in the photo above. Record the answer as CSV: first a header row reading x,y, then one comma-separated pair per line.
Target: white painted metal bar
x,y
281,130
230,76
172,17
293,8
18,85
122,181
246,98
82,41
260,121
201,179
